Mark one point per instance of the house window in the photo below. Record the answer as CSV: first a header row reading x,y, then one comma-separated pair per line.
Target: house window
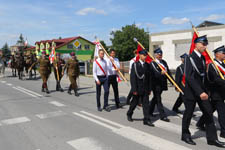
x,y
70,46
79,48
86,47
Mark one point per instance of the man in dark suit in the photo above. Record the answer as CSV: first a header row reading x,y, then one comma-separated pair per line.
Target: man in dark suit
x,y
178,79
140,80
217,88
196,92
159,82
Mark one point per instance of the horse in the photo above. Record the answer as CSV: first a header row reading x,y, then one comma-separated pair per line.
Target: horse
x,y
30,65
20,63
12,65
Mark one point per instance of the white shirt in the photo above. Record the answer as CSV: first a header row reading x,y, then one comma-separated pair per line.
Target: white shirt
x,y
131,63
96,69
198,53
142,63
111,69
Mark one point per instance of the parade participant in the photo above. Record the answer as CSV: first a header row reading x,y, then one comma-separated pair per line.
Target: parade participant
x,y
112,75
140,79
58,65
178,79
159,83
129,96
73,71
216,88
44,70
196,92
100,70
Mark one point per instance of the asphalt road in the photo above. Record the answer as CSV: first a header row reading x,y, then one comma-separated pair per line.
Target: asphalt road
x,y
32,120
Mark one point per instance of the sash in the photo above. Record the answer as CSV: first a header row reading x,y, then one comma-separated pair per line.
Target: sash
x,y
100,67
221,68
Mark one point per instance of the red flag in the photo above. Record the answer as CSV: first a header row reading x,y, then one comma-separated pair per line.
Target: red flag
x,y
195,36
148,58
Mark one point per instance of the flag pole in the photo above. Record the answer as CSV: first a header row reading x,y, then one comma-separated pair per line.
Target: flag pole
x,y
112,62
207,51
168,76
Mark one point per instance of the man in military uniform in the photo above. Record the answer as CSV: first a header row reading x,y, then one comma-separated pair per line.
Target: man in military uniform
x,y
44,70
58,65
217,88
196,92
73,72
159,82
178,79
140,79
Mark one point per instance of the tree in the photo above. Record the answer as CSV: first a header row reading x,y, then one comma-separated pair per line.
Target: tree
x,y
123,41
6,51
21,39
104,45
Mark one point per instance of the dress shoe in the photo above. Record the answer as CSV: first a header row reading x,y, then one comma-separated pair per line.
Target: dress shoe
x,y
188,141
200,127
107,109
42,90
61,90
119,106
165,119
216,143
69,92
99,109
148,123
129,118
47,91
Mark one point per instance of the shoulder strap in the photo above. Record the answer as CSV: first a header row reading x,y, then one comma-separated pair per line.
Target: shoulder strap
x,y
135,69
196,68
100,67
181,70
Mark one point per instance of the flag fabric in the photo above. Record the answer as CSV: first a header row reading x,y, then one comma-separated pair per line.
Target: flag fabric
x,y
221,68
26,42
148,58
52,55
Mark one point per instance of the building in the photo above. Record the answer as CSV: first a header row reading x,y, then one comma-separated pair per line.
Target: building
x,y
81,46
175,43
18,47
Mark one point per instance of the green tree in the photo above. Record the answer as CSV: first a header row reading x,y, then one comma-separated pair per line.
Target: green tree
x,y
123,41
6,51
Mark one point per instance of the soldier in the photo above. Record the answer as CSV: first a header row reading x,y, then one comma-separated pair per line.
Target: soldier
x,y
73,71
129,96
217,88
58,65
100,70
112,75
44,70
196,92
140,79
159,81
178,79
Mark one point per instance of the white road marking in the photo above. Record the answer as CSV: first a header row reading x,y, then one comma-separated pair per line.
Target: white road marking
x,y
3,81
87,143
15,121
50,114
32,92
135,135
9,84
103,119
25,92
58,104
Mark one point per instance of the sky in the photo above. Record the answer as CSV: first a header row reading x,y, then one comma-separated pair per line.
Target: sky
x,y
47,19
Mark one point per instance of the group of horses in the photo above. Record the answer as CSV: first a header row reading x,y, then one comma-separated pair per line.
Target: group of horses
x,y
20,63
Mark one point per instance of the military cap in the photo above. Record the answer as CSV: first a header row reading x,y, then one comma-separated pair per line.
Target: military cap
x,y
202,39
143,52
184,55
220,49
72,54
158,51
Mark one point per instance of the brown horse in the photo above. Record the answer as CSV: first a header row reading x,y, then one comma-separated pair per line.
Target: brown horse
x,y
12,65
30,60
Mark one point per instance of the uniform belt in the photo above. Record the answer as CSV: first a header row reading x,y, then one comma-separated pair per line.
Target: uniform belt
x,y
101,76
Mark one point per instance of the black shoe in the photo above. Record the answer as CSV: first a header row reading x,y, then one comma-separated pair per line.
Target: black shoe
x,y
153,115
69,92
76,94
216,143
188,141
42,90
222,135
47,91
148,123
119,106
61,90
165,119
129,118
107,109
99,109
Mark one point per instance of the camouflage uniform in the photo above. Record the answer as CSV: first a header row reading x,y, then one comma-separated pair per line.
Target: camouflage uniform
x,y
73,72
45,71
59,63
